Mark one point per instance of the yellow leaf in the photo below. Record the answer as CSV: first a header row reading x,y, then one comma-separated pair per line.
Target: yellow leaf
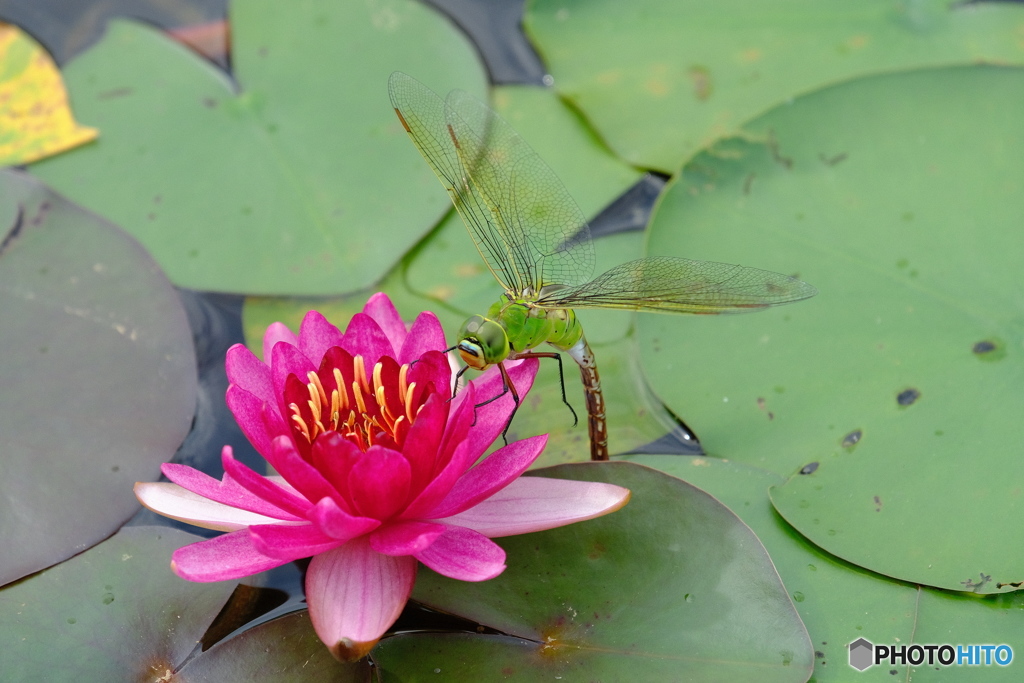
x,y
35,120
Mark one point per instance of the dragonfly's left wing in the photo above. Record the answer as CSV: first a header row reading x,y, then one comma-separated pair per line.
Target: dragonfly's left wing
x,y
525,224
678,285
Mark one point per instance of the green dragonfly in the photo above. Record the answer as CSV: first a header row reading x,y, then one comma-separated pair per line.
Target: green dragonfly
x,y
536,242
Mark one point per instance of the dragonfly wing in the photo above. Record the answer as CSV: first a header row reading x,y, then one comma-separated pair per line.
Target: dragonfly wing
x,y
527,228
677,285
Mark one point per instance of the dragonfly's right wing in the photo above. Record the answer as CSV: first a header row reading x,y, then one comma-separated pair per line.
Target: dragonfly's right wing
x,y
525,224
678,285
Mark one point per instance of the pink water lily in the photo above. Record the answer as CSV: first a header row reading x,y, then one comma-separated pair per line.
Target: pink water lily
x,y
377,470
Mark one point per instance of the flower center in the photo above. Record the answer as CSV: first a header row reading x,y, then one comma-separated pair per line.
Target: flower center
x,y
340,397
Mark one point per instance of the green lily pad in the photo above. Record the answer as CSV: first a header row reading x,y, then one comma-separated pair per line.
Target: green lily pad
x,y
98,376
113,613
900,379
287,179
660,80
673,586
838,602
285,649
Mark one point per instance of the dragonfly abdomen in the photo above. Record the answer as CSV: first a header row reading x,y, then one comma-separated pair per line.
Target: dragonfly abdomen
x,y
596,422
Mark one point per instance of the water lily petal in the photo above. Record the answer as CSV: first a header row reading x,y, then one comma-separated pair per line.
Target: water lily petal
x,y
492,417
300,474
491,475
425,335
364,337
355,594
277,332
383,312
424,439
333,457
248,410
291,542
379,483
262,488
227,490
286,360
316,335
430,372
405,538
230,556
247,371
464,554
531,504
171,500
339,524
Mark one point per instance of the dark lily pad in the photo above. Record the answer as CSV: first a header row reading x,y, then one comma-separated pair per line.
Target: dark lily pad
x,y
113,613
673,586
98,372
289,178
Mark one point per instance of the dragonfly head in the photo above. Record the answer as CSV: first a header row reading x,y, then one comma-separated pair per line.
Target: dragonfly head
x,y
482,342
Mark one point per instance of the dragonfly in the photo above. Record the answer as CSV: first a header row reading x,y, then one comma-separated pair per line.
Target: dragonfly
x,y
536,242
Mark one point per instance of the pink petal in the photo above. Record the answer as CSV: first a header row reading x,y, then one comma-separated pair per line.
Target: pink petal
x,y
263,488
424,439
379,483
316,335
531,504
171,500
248,411
226,491
333,457
304,477
287,360
465,555
355,594
383,312
248,372
291,542
337,523
364,337
405,538
230,556
448,467
277,332
491,418
491,475
426,335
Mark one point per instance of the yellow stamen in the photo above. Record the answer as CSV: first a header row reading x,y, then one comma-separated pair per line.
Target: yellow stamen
x,y
403,374
339,382
377,384
359,365
314,381
299,422
335,408
408,401
358,392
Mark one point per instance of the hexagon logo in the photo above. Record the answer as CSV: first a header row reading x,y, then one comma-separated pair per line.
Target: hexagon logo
x,y
861,654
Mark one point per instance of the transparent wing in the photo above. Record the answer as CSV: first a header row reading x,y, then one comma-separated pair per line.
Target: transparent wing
x,y
527,228
677,285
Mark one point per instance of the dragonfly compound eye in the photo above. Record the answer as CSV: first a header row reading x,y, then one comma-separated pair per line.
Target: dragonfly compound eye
x,y
482,342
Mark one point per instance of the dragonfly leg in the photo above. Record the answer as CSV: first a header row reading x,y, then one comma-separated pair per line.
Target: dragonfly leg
x,y
508,387
561,377
458,376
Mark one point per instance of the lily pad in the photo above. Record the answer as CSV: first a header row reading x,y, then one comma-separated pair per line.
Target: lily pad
x,y
113,613
900,380
676,587
34,114
837,601
659,80
284,649
286,179
98,373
